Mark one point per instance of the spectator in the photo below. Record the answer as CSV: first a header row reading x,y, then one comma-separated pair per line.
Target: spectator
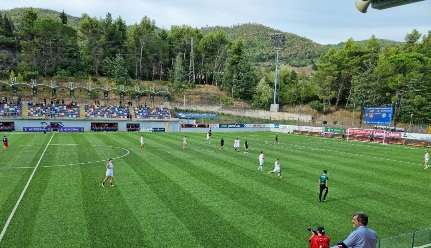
x,y
362,236
318,238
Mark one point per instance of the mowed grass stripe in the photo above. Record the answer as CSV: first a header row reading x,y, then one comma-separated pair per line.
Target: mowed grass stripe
x,y
61,220
410,154
303,156
359,188
110,222
277,207
228,184
20,230
198,206
161,226
359,179
354,171
298,201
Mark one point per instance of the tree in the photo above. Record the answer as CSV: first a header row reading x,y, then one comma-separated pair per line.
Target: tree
x,y
239,76
142,41
117,70
179,76
63,17
92,38
213,48
263,96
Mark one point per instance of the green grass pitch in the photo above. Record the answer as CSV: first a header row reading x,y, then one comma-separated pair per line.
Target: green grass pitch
x,y
203,197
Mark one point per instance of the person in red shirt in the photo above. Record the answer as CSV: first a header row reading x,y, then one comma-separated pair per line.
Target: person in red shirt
x,y
318,238
5,143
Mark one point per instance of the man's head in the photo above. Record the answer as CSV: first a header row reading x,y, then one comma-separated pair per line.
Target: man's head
x,y
325,171
321,230
359,219
261,152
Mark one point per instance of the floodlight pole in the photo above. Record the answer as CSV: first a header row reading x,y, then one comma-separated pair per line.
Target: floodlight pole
x,y
276,75
278,40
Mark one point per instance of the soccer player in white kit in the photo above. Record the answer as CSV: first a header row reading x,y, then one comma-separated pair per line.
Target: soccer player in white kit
x,y
109,173
184,142
237,144
261,161
277,168
208,137
426,160
142,142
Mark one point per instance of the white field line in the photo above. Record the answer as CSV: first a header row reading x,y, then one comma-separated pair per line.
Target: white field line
x,y
63,144
9,219
126,153
91,162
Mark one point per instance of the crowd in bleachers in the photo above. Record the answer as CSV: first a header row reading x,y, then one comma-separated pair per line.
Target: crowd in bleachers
x,y
112,112
10,109
144,112
53,110
60,109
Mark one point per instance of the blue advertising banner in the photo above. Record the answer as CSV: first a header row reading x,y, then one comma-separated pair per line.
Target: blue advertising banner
x,y
35,129
71,129
158,130
378,115
231,125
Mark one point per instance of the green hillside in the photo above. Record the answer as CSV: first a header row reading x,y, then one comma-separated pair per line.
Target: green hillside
x,y
297,50
17,13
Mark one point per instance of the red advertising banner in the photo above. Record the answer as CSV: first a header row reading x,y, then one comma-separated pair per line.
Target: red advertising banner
x,y
376,133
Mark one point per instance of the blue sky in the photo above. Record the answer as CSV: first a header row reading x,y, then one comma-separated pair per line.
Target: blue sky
x,y
324,21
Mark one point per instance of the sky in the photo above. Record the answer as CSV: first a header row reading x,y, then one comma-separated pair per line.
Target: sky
x,y
323,21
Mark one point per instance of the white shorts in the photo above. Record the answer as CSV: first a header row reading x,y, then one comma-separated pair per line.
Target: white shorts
x,y
261,163
110,173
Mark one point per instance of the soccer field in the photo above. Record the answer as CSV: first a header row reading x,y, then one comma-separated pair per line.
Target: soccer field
x,y
202,197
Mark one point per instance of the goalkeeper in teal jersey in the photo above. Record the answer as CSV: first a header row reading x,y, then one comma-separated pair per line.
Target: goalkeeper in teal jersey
x,y
323,183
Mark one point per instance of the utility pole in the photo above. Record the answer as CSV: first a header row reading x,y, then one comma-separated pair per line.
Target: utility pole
x,y
278,40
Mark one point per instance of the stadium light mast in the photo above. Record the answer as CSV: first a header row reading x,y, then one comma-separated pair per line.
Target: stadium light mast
x,y
278,40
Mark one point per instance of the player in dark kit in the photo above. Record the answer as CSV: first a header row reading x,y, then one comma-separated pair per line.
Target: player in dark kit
x,y
246,146
5,143
276,140
323,182
221,143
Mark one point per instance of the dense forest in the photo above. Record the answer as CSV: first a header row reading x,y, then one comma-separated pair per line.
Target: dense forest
x,y
38,44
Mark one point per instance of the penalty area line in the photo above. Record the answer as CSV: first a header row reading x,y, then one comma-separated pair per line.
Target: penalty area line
x,y
9,219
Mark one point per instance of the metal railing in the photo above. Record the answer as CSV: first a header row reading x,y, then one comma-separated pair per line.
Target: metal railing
x,y
417,239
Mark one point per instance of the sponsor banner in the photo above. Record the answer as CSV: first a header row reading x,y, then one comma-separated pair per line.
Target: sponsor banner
x,y
335,130
231,125
71,129
35,129
186,115
287,128
376,133
259,125
158,130
378,115
417,136
310,129
214,126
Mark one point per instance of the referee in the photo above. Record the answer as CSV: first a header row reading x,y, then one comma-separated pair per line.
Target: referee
x,y
323,182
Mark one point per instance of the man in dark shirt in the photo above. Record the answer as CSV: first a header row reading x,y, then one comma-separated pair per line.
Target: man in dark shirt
x,y
323,185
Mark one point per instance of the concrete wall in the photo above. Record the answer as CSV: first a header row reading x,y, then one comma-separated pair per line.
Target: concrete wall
x,y
145,125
